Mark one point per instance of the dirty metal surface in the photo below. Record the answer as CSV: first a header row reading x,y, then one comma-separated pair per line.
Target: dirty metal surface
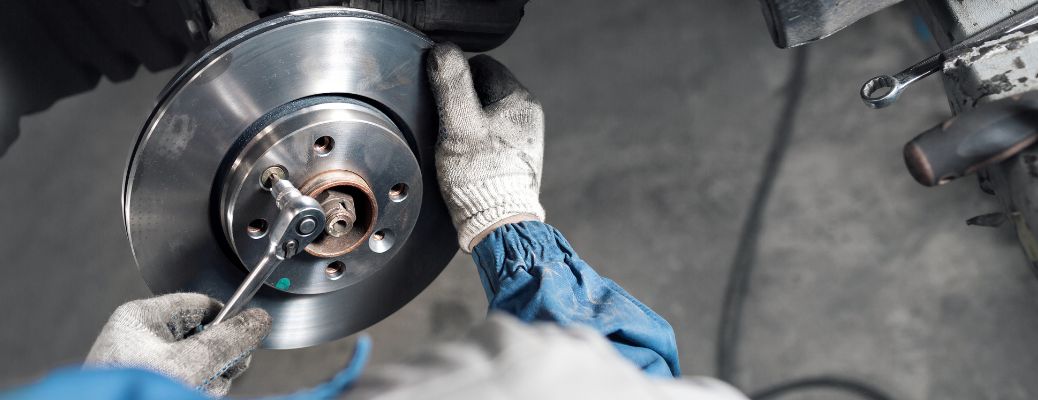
x,y
953,21
793,23
995,70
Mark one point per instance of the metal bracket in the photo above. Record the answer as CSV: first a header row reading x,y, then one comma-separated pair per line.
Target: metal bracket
x,y
226,16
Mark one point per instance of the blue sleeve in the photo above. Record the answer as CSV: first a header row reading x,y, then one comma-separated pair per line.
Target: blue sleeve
x,y
139,384
529,270
110,384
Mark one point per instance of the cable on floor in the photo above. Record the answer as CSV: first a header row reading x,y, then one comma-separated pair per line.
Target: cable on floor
x,y
744,261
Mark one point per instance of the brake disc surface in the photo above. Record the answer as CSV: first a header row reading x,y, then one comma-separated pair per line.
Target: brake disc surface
x,y
338,99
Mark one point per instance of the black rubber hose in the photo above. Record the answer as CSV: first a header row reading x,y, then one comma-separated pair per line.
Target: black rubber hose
x,y
744,260
821,382
746,251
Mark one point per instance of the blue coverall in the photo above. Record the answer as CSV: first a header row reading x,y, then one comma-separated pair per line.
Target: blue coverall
x,y
528,269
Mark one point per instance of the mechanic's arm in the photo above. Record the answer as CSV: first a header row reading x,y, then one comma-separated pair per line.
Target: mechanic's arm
x,y
159,334
489,163
149,350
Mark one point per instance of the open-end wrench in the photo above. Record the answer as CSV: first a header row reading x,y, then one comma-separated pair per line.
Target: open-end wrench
x,y
299,221
883,90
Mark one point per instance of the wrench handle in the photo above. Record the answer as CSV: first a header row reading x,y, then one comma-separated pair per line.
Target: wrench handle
x,y
287,238
252,284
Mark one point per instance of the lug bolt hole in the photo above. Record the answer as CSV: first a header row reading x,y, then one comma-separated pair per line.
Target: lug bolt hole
x,y
323,145
257,228
398,192
335,270
382,240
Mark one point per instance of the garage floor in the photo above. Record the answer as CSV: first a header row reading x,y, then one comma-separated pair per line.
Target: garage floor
x,y
658,121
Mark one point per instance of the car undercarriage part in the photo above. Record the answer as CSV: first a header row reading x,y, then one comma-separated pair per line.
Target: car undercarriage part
x,y
334,101
953,21
796,22
474,25
990,87
986,135
883,90
1004,68
57,48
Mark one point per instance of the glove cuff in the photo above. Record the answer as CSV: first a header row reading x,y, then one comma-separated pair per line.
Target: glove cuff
x,y
480,206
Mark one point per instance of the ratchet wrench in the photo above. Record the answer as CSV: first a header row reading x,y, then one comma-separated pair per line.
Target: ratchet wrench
x,y
873,91
299,221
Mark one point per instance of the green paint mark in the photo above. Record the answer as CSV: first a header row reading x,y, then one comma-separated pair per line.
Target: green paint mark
x,y
283,284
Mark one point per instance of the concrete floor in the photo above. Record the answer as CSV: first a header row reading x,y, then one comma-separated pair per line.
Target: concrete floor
x,y
658,120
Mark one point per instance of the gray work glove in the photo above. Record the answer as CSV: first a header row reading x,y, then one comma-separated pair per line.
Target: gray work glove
x,y
491,144
154,334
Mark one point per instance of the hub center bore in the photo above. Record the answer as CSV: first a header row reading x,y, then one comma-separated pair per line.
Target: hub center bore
x,y
350,208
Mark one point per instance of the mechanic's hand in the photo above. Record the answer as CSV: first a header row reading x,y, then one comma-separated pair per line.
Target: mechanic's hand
x,y
488,158
150,334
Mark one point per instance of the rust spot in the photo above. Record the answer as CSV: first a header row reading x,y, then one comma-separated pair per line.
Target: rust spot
x,y
1009,152
365,211
919,165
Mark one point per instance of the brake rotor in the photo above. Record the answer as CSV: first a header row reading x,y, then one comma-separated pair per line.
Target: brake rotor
x,y
336,101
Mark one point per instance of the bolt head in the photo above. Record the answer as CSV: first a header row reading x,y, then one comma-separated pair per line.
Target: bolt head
x,y
338,226
307,226
340,211
271,175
